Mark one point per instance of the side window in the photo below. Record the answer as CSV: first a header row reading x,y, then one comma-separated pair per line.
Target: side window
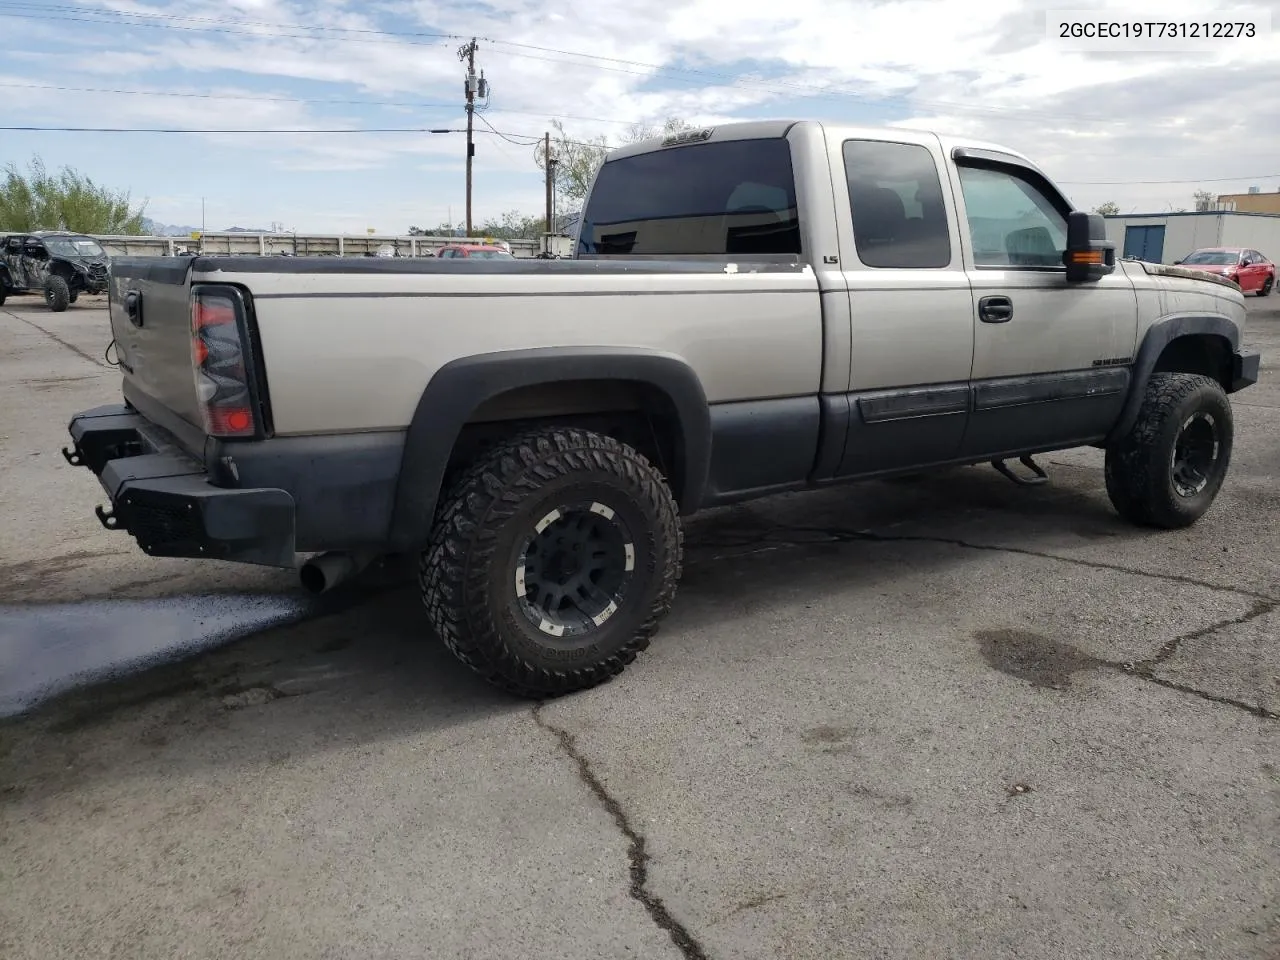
x,y
446,253
899,219
1011,222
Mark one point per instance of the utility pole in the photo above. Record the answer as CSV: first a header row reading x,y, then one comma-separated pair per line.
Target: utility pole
x,y
547,165
467,53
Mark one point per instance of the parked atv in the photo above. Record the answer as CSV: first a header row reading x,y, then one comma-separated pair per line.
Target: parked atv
x,y
55,263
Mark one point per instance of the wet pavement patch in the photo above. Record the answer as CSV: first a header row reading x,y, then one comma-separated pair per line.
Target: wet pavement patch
x,y
1040,660
45,650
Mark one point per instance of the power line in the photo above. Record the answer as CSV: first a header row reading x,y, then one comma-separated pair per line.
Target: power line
x,y
528,140
436,130
316,100
506,137
810,91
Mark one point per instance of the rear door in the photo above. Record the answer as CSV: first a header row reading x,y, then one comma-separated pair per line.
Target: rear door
x,y
909,302
11,257
1050,358
34,262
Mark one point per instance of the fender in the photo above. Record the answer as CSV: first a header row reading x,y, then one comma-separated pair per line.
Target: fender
x,y
1158,336
461,385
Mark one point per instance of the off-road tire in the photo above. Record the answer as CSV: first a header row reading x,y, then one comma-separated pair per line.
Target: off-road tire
x,y
4,292
74,296
472,573
57,294
1140,467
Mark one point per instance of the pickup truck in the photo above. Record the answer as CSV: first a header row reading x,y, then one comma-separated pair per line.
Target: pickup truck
x,y
751,308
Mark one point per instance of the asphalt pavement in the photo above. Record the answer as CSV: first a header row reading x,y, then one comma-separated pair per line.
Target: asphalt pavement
x,y
945,717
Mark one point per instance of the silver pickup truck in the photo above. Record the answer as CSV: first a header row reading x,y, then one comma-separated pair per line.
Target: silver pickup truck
x,y
752,308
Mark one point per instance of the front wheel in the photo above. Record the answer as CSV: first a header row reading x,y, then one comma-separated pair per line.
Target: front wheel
x,y
1168,469
552,562
57,294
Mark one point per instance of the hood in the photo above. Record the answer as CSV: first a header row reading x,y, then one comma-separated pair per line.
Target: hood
x,y
94,265
1208,272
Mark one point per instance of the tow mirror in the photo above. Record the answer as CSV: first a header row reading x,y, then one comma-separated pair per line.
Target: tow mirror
x,y
1088,255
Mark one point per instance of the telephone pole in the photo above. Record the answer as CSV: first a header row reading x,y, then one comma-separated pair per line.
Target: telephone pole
x,y
467,53
548,167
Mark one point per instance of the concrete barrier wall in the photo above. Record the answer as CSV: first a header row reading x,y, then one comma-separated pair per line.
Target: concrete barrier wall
x,y
302,245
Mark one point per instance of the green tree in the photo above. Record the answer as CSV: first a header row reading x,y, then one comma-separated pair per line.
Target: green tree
x,y
576,161
1108,209
67,200
513,225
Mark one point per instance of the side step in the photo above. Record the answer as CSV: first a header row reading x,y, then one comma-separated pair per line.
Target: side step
x,y
1033,481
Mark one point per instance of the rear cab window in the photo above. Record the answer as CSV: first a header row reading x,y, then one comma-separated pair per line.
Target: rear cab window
x,y
895,196
728,198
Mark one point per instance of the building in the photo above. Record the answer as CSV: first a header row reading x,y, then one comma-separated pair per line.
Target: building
x,y
1168,237
1255,201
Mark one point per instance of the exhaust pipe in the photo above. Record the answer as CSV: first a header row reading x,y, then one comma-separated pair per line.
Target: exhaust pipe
x,y
325,571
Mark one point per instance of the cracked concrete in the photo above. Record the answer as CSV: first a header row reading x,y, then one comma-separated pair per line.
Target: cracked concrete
x,y
637,855
943,717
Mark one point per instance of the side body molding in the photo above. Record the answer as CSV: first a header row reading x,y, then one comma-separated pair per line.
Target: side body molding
x,y
1158,336
461,385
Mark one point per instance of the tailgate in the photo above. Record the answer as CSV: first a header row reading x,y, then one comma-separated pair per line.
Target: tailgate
x,y
150,308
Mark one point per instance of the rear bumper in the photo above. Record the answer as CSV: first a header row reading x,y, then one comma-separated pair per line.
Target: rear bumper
x,y
163,498
1244,369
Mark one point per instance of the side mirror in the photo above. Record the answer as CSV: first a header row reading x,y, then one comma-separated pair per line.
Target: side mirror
x,y
1088,255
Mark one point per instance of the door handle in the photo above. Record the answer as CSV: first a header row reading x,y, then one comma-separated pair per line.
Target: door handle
x,y
995,309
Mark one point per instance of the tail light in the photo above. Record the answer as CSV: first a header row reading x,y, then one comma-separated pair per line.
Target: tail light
x,y
221,364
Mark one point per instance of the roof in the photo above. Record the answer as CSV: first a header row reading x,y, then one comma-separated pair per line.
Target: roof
x,y
762,129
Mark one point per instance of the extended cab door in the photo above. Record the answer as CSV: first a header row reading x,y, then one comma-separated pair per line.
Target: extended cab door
x,y
911,312
1050,358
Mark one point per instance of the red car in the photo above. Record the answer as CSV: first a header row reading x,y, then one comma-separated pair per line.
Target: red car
x,y
1251,271
477,251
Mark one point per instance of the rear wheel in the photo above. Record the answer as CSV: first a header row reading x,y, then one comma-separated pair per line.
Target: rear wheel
x,y
553,561
1168,469
57,294
1267,284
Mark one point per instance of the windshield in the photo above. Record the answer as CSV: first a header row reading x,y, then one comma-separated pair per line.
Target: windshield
x,y
730,198
490,255
74,247
1213,257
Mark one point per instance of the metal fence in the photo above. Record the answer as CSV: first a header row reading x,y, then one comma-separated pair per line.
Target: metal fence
x,y
295,244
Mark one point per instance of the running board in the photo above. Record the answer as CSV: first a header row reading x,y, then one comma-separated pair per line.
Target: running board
x,y
1039,475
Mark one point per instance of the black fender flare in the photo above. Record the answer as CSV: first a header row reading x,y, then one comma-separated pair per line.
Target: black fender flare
x,y
460,386
1158,336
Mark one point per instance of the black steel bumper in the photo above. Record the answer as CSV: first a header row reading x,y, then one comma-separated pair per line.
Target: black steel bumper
x,y
1244,369
162,496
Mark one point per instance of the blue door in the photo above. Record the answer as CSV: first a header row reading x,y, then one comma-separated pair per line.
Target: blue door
x,y
1145,243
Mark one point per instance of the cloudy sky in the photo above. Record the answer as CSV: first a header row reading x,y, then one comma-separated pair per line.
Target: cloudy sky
x,y
1108,125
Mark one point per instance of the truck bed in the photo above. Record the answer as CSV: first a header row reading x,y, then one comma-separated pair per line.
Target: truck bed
x,y
349,344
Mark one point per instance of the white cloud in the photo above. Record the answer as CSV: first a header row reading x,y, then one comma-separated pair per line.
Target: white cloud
x,y
986,70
